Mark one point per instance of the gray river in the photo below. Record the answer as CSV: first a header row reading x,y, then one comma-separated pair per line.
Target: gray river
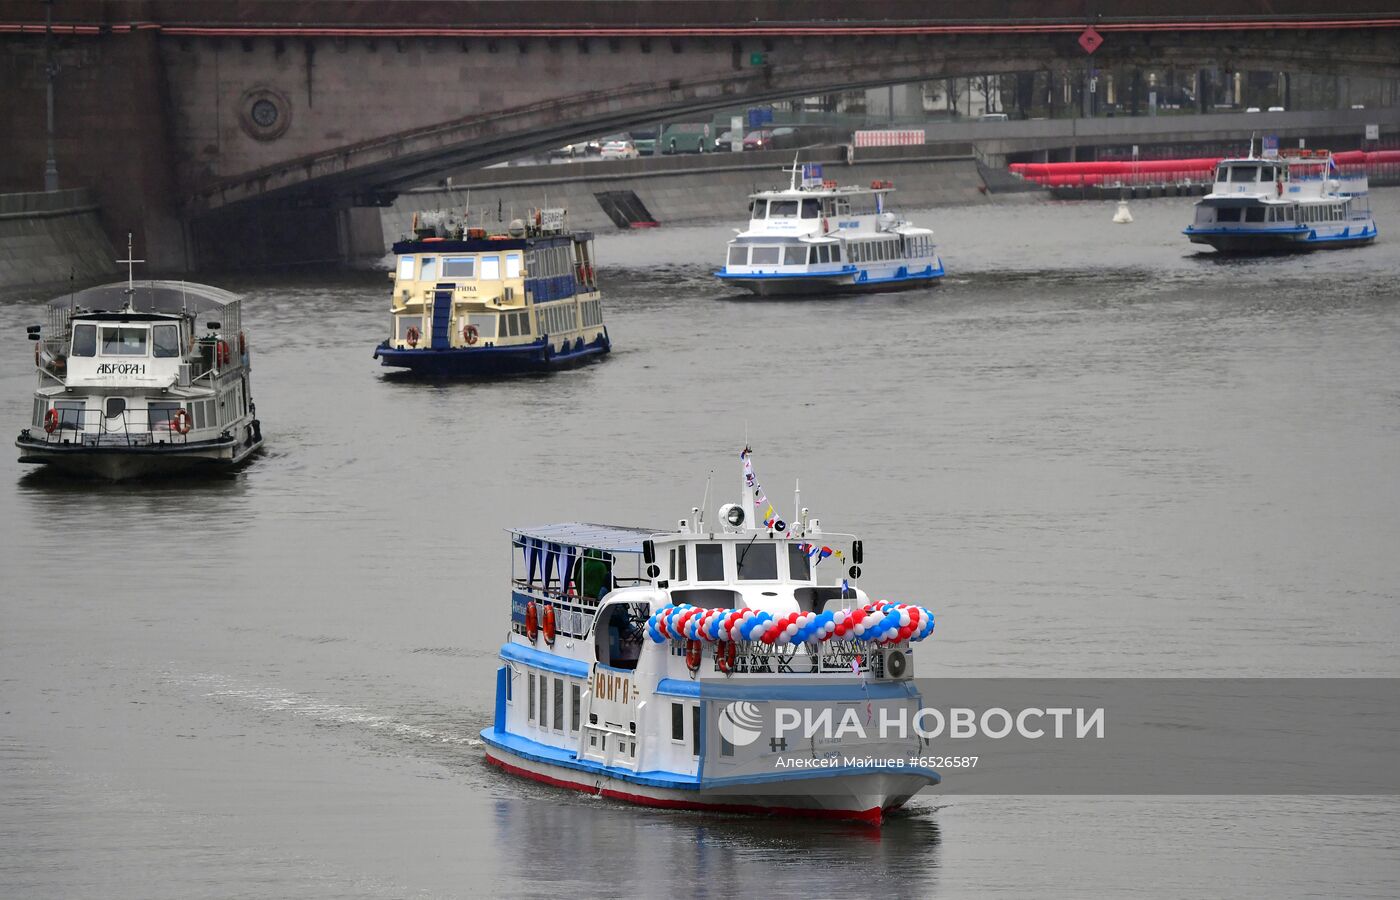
x,y
1091,451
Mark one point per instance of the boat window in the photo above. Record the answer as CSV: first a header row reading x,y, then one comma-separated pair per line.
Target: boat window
x,y
429,270
619,633
70,413
794,256
812,255
835,252
485,325
558,704
823,253
458,266
512,326
738,255
757,562
406,322
843,206
574,705
680,567
757,208
158,415
782,209
765,256
406,268
811,209
165,341
1227,214
84,340
1254,214
123,341
709,562
1240,174
116,406
799,568
512,265
678,722
490,268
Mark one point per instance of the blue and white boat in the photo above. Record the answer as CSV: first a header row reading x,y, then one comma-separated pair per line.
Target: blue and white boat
x,y
816,237
470,303
1300,200
641,666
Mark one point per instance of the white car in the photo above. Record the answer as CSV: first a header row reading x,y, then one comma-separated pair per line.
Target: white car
x,y
619,150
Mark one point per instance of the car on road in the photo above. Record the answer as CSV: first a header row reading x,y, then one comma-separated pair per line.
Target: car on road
x,y
619,150
763,138
725,142
993,117
573,151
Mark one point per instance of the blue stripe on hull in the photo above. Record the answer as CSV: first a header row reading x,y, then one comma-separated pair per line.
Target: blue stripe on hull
x,y
1276,240
485,361
850,280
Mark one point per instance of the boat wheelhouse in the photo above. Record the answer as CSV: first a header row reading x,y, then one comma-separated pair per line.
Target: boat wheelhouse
x,y
1300,200
644,666
466,302
816,237
139,379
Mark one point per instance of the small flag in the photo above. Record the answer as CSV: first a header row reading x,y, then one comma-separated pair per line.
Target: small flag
x,y
855,666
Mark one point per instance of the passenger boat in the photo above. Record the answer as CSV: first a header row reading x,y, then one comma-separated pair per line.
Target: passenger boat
x,y
816,237
132,384
646,666
467,302
1300,200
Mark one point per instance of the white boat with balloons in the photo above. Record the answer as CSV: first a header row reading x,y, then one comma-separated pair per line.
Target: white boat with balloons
x,y
734,665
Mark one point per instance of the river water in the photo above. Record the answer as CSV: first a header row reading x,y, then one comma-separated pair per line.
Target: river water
x,y
1091,451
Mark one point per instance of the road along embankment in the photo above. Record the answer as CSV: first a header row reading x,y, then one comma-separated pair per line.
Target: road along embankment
x,y
679,190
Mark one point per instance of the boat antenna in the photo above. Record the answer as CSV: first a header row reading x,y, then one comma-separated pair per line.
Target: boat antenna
x,y
130,271
1251,144
797,503
705,502
792,185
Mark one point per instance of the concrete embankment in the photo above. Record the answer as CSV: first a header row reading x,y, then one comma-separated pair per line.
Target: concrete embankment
x,y
675,190
46,238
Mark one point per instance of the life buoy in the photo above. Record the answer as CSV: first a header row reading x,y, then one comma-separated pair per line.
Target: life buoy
x,y
433,240
826,226
242,344
181,422
411,336
51,421
692,656
725,656
221,352
470,334
532,624
549,625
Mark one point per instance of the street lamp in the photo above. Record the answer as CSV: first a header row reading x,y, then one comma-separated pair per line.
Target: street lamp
x,y
51,68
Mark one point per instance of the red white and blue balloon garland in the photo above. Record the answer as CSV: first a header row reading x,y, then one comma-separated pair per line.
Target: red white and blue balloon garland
x,y
879,622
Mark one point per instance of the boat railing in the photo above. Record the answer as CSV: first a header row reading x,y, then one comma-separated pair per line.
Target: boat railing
x,y
94,428
818,658
573,612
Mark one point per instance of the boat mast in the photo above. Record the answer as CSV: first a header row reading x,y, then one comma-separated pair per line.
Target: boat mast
x,y
130,272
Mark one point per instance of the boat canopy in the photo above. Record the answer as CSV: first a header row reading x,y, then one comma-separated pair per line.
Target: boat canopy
x,y
586,535
148,297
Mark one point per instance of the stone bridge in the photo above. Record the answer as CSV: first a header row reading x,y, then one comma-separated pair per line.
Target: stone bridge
x,y
181,114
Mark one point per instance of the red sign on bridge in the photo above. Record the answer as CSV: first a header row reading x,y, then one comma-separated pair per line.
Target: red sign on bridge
x,y
1090,40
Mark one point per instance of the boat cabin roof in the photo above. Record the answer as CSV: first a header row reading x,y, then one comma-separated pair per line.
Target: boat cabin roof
x,y
612,538
149,297
490,244
845,190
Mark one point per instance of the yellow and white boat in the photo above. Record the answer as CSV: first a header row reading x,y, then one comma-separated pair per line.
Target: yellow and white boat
x,y
469,303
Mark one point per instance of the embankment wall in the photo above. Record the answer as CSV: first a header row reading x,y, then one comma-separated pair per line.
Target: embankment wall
x,y
47,237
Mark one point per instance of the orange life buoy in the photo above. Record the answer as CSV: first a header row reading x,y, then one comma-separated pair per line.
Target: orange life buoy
x,y
825,225
532,624
549,625
181,422
433,239
470,334
51,421
411,336
725,656
242,344
221,352
692,655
